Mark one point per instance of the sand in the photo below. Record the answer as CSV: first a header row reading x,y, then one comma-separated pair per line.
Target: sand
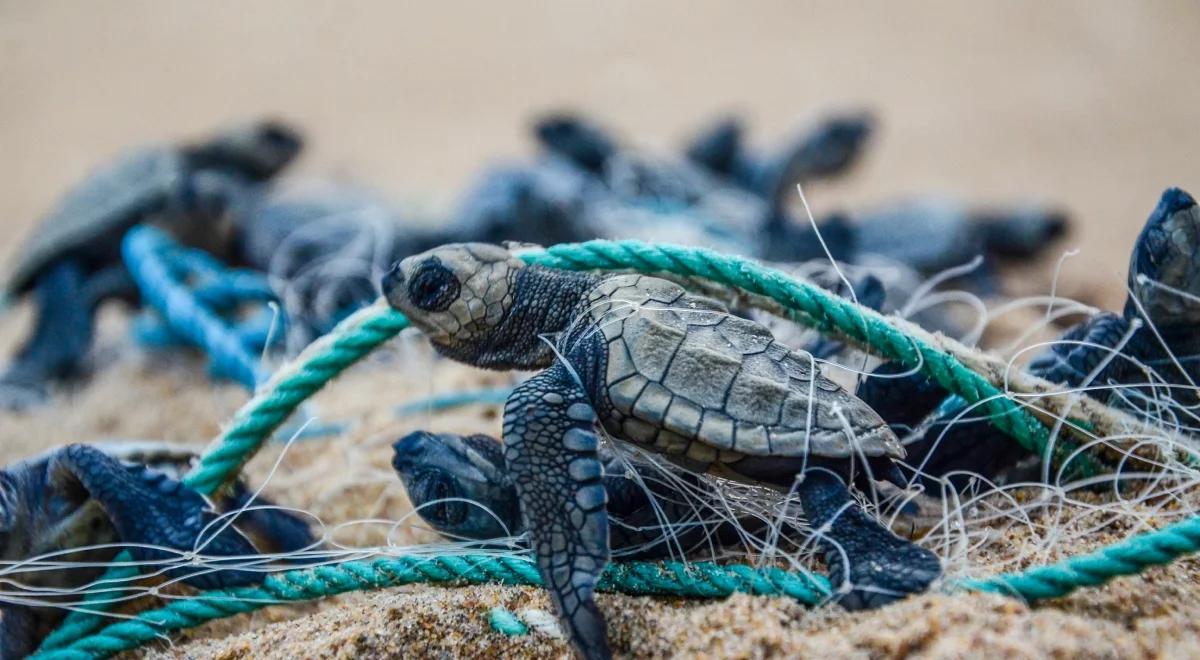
x,y
1081,103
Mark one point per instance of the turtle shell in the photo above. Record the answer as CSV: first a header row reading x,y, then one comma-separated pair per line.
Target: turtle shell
x,y
686,377
95,213
926,234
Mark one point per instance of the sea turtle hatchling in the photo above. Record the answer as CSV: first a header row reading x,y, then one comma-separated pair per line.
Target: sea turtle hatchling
x,y
461,487
672,373
85,503
827,148
933,234
650,189
72,262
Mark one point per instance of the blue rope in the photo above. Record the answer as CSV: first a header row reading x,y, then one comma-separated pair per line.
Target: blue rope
x,y
192,315
144,249
440,402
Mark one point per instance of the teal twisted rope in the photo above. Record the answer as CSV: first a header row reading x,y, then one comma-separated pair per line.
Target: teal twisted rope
x,y
90,617
701,579
704,579
506,623
353,338
1128,557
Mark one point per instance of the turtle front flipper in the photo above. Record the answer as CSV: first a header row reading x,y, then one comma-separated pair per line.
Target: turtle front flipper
x,y
719,149
552,454
576,139
61,337
825,151
158,517
870,565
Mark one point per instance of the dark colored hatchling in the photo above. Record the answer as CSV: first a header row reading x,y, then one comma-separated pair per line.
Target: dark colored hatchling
x,y
1158,358
827,149
461,487
72,262
324,248
933,234
586,187
83,504
672,373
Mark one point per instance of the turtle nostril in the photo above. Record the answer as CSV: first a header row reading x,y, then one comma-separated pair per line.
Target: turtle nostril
x,y
392,279
408,447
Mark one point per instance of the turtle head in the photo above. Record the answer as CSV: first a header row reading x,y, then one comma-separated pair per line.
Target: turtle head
x,y
1164,275
257,150
34,508
457,484
457,294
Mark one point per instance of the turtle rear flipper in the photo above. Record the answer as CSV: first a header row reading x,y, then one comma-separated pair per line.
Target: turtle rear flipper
x,y
551,450
869,565
158,517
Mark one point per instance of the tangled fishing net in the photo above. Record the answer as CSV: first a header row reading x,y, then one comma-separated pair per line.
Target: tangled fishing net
x,y
347,488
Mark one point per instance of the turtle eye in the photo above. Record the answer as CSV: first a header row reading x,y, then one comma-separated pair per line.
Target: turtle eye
x,y
440,508
433,286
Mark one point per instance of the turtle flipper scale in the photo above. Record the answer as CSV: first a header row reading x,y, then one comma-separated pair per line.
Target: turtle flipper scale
x,y
878,566
551,451
148,508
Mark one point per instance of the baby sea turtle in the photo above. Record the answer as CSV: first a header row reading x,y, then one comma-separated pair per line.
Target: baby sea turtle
x,y
934,234
84,504
726,207
324,247
1156,335
72,262
825,150
460,486
674,374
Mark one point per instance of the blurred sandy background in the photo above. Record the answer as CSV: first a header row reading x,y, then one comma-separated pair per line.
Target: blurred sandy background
x,y
1087,103
1090,104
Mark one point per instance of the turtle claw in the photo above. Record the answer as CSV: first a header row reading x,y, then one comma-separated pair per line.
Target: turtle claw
x,y
883,576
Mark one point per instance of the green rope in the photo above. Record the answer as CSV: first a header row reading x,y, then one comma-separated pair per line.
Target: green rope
x,y
506,623
701,579
1128,557
352,339
367,329
90,617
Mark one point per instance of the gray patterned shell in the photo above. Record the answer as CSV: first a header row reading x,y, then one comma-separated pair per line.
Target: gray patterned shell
x,y
685,376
